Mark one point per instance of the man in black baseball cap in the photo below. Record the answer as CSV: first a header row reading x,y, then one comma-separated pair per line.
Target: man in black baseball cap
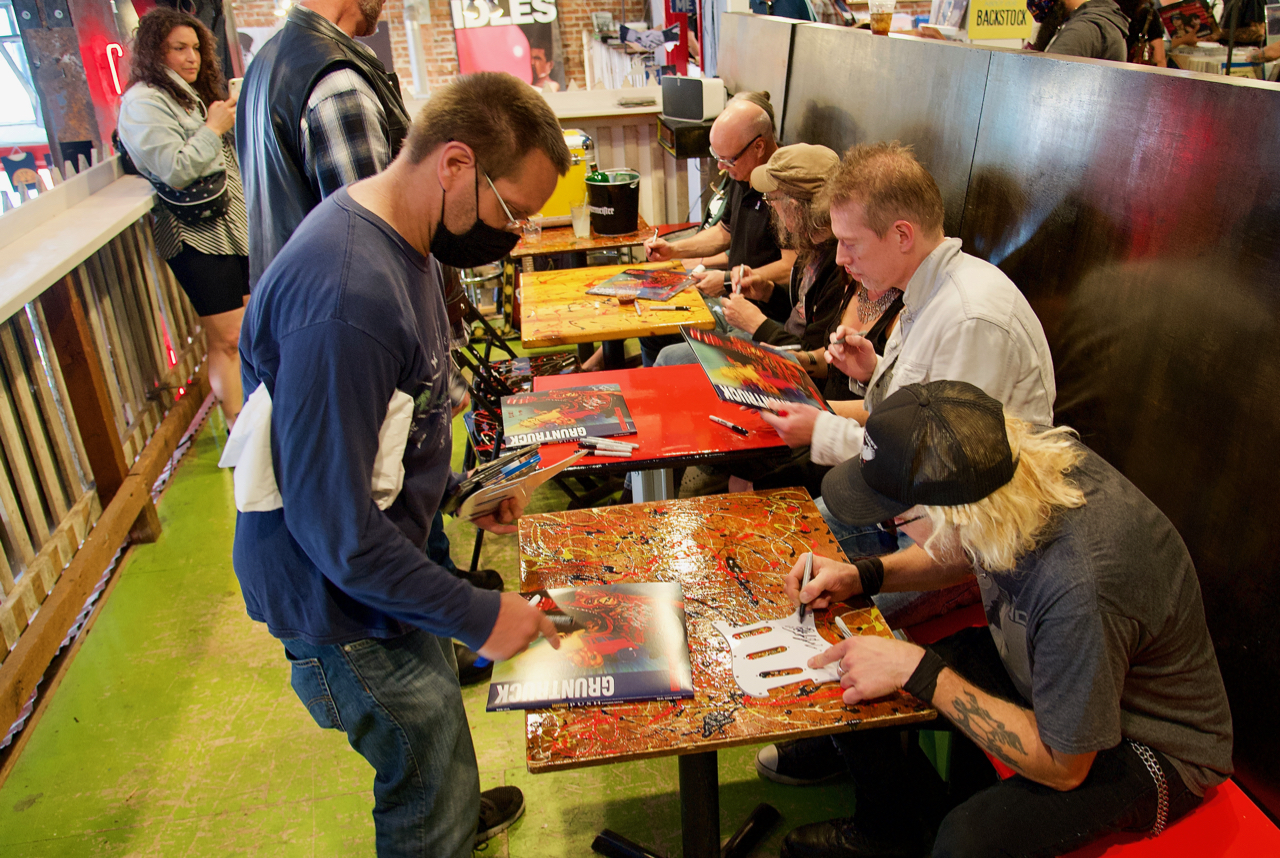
x,y
1096,680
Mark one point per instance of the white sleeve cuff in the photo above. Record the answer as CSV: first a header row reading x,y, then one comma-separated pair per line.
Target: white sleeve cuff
x,y
835,439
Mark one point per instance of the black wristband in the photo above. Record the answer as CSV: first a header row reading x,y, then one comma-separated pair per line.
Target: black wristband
x,y
871,574
924,679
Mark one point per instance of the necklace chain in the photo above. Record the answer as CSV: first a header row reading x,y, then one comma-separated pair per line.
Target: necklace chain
x,y
868,309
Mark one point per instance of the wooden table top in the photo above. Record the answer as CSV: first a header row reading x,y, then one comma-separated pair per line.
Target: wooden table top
x,y
730,553
560,239
555,309
669,405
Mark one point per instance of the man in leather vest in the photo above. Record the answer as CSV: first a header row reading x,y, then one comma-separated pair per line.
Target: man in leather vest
x,y
317,112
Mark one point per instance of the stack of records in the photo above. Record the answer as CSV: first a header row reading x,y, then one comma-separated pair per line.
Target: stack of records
x,y
566,414
651,285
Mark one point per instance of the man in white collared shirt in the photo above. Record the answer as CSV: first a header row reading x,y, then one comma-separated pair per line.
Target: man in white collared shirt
x,y
963,319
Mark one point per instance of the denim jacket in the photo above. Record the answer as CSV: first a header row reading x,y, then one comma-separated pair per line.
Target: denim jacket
x,y
165,140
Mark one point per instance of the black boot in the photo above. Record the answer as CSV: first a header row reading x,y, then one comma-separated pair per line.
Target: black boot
x,y
843,838
485,579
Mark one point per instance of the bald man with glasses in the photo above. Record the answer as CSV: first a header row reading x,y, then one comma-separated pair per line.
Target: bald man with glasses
x,y
742,138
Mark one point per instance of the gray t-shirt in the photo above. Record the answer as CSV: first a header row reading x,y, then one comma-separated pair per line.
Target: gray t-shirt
x,y
1102,628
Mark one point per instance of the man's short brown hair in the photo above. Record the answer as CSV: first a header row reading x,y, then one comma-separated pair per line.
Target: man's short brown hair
x,y
891,185
498,115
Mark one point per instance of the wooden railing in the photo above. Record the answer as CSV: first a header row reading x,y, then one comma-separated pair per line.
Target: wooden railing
x,y
100,357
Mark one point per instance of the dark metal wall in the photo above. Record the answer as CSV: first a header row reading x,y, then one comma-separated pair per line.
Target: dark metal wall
x,y
849,87
754,54
1140,214
1139,210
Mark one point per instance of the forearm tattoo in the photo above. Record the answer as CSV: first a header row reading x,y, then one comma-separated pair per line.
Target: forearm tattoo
x,y
981,726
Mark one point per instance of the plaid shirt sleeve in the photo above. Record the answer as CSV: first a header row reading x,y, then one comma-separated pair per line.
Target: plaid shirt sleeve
x,y
344,132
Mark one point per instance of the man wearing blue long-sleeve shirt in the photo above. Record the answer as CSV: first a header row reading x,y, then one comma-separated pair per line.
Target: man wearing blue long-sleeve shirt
x,y
345,356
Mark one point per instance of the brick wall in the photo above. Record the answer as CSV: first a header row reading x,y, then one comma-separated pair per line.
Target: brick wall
x,y
440,56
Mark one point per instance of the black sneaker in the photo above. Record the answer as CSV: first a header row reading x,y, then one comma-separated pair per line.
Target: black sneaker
x,y
468,673
803,762
841,838
485,579
499,807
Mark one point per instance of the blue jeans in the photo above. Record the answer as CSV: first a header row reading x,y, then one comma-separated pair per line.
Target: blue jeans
x,y
438,544
899,609
399,703
677,355
855,542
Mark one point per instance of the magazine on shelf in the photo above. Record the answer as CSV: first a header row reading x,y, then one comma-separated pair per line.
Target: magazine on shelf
x,y
651,285
618,642
565,414
1188,16
743,373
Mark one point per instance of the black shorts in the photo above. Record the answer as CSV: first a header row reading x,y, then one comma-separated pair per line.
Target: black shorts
x,y
214,283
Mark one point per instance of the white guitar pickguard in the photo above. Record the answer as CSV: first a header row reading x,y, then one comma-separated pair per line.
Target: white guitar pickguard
x,y
798,641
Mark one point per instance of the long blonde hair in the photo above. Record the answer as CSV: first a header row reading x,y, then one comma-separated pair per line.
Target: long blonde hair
x,y
995,531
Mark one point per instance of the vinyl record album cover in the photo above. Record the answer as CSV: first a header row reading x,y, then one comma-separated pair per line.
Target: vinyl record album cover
x,y
746,374
566,414
651,285
1188,16
618,642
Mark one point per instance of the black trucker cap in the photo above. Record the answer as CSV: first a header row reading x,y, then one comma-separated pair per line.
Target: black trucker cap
x,y
937,444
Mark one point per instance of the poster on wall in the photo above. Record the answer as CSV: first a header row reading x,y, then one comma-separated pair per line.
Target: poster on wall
x,y
1188,16
520,37
253,38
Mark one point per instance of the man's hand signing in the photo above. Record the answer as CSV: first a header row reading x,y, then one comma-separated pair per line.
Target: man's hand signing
x,y
831,581
852,354
741,313
658,250
746,281
794,424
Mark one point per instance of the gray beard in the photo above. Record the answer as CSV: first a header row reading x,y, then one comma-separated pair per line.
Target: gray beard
x,y
371,10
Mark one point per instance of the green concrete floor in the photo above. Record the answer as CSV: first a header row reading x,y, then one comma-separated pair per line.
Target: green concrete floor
x,y
175,731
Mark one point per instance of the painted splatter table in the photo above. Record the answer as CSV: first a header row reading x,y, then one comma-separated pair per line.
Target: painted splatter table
x,y
560,239
670,405
730,553
555,309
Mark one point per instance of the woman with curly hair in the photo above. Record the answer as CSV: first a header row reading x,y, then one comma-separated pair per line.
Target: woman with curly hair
x,y
176,123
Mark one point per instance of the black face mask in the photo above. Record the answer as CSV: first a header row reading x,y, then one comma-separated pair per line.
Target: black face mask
x,y
479,245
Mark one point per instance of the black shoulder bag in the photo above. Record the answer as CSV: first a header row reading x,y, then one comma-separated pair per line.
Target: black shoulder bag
x,y
203,200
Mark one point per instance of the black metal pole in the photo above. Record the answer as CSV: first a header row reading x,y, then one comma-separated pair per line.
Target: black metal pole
x,y
615,354
1233,15
700,805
